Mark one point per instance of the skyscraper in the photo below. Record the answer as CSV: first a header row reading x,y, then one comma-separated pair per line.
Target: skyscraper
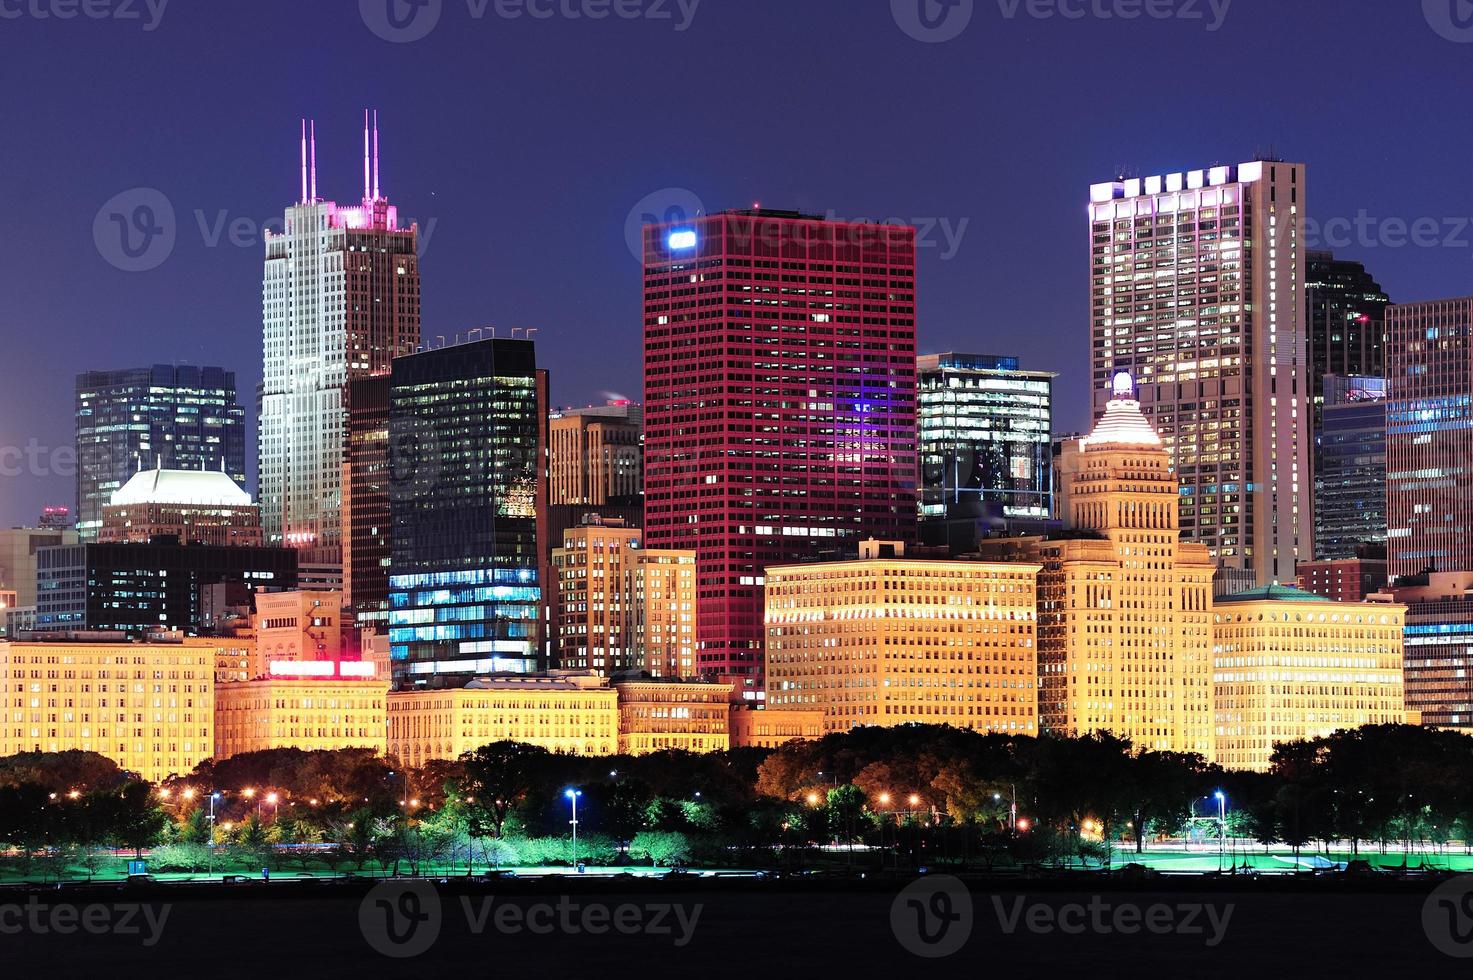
x,y
986,431
366,516
340,299
779,370
170,416
597,455
1197,289
467,451
1429,437
1347,320
1350,466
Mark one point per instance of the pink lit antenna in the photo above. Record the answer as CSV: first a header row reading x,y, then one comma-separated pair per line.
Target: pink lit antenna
x,y
314,159
375,154
303,198
366,183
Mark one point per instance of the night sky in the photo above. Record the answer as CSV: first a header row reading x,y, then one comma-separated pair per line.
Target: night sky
x,y
529,142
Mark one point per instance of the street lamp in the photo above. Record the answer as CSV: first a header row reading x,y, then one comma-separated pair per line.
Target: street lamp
x,y
1221,826
573,795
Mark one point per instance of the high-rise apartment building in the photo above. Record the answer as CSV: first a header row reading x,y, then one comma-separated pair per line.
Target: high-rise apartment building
x,y
1346,308
167,416
986,440
779,370
366,517
340,300
1197,290
465,585
1350,466
1429,437
1125,605
886,640
597,455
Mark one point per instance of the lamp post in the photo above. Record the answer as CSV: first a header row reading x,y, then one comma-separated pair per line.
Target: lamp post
x,y
573,795
1221,827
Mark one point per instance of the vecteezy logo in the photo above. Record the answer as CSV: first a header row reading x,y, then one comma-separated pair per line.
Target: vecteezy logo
x,y
135,230
400,919
1447,917
1451,19
932,916
667,206
400,21
933,21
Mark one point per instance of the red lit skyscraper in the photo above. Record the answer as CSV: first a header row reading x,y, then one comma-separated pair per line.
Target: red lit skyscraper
x,y
779,371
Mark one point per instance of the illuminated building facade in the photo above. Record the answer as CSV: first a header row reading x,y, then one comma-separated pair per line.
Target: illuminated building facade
x,y
172,416
658,714
366,516
562,711
465,586
597,455
312,706
768,727
1125,606
1197,290
986,439
236,658
195,507
1438,638
19,547
149,707
1347,320
340,300
299,625
1350,466
1345,579
1291,665
887,640
779,371
1429,437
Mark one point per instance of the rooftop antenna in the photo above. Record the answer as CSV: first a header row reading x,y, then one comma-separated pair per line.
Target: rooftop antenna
x,y
366,184
375,155
515,331
303,198
314,159
531,331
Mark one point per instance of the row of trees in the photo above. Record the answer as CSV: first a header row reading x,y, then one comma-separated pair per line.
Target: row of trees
x,y
918,794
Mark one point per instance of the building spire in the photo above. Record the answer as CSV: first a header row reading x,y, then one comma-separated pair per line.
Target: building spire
x,y
366,180
375,155
314,160
303,198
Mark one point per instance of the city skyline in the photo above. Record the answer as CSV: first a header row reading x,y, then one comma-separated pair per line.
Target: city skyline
x,y
495,213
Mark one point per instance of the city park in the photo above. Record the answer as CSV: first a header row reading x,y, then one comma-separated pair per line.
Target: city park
x,y
1374,800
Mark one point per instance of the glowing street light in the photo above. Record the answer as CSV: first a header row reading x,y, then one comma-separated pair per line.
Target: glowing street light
x,y
573,795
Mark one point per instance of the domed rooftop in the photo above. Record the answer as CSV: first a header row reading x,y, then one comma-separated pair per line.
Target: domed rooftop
x,y
1271,593
1122,424
201,488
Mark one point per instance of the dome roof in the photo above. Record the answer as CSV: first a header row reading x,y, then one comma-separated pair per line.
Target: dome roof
x,y
1122,425
198,487
1271,593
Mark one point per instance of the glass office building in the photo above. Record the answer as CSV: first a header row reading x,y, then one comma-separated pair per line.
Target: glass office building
x,y
467,444
1350,466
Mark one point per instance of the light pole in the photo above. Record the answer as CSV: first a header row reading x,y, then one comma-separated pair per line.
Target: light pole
x,y
1221,827
573,795
215,795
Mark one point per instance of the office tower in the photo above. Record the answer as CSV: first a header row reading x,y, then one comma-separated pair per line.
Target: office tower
x,y
1438,638
149,707
366,518
340,297
659,714
621,607
986,442
1197,289
18,549
1429,437
141,588
1290,665
170,417
779,371
1125,614
195,507
597,455
890,640
465,580
1350,466
1346,308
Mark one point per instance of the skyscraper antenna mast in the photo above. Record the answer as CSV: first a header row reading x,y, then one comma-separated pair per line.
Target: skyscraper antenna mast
x,y
314,159
303,198
375,154
366,182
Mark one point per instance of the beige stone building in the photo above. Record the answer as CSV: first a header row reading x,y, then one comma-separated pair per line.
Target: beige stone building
x,y
308,706
301,624
199,507
150,707
768,728
1292,665
596,454
236,657
657,714
886,640
562,711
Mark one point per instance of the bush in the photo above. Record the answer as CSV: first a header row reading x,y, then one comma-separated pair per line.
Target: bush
x,y
593,849
180,857
660,848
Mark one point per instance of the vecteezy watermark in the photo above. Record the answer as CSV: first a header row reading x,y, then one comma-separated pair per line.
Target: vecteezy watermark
x,y
931,232
1110,917
1365,230
1447,917
403,919
34,459
932,916
935,21
666,206
1451,19
138,229
148,13
118,919
403,21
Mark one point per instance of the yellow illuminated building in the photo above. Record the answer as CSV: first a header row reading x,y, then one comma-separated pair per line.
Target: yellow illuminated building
x,y
1294,665
886,640
768,728
236,657
309,706
150,707
562,711
1125,606
658,714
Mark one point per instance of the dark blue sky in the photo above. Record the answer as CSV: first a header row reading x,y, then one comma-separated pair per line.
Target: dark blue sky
x,y
528,143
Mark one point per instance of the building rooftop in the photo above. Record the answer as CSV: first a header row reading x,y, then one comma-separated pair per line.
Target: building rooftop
x,y
197,487
1272,593
1122,424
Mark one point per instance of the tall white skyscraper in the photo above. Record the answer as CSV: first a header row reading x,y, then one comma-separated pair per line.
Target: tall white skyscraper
x,y
340,300
1197,290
